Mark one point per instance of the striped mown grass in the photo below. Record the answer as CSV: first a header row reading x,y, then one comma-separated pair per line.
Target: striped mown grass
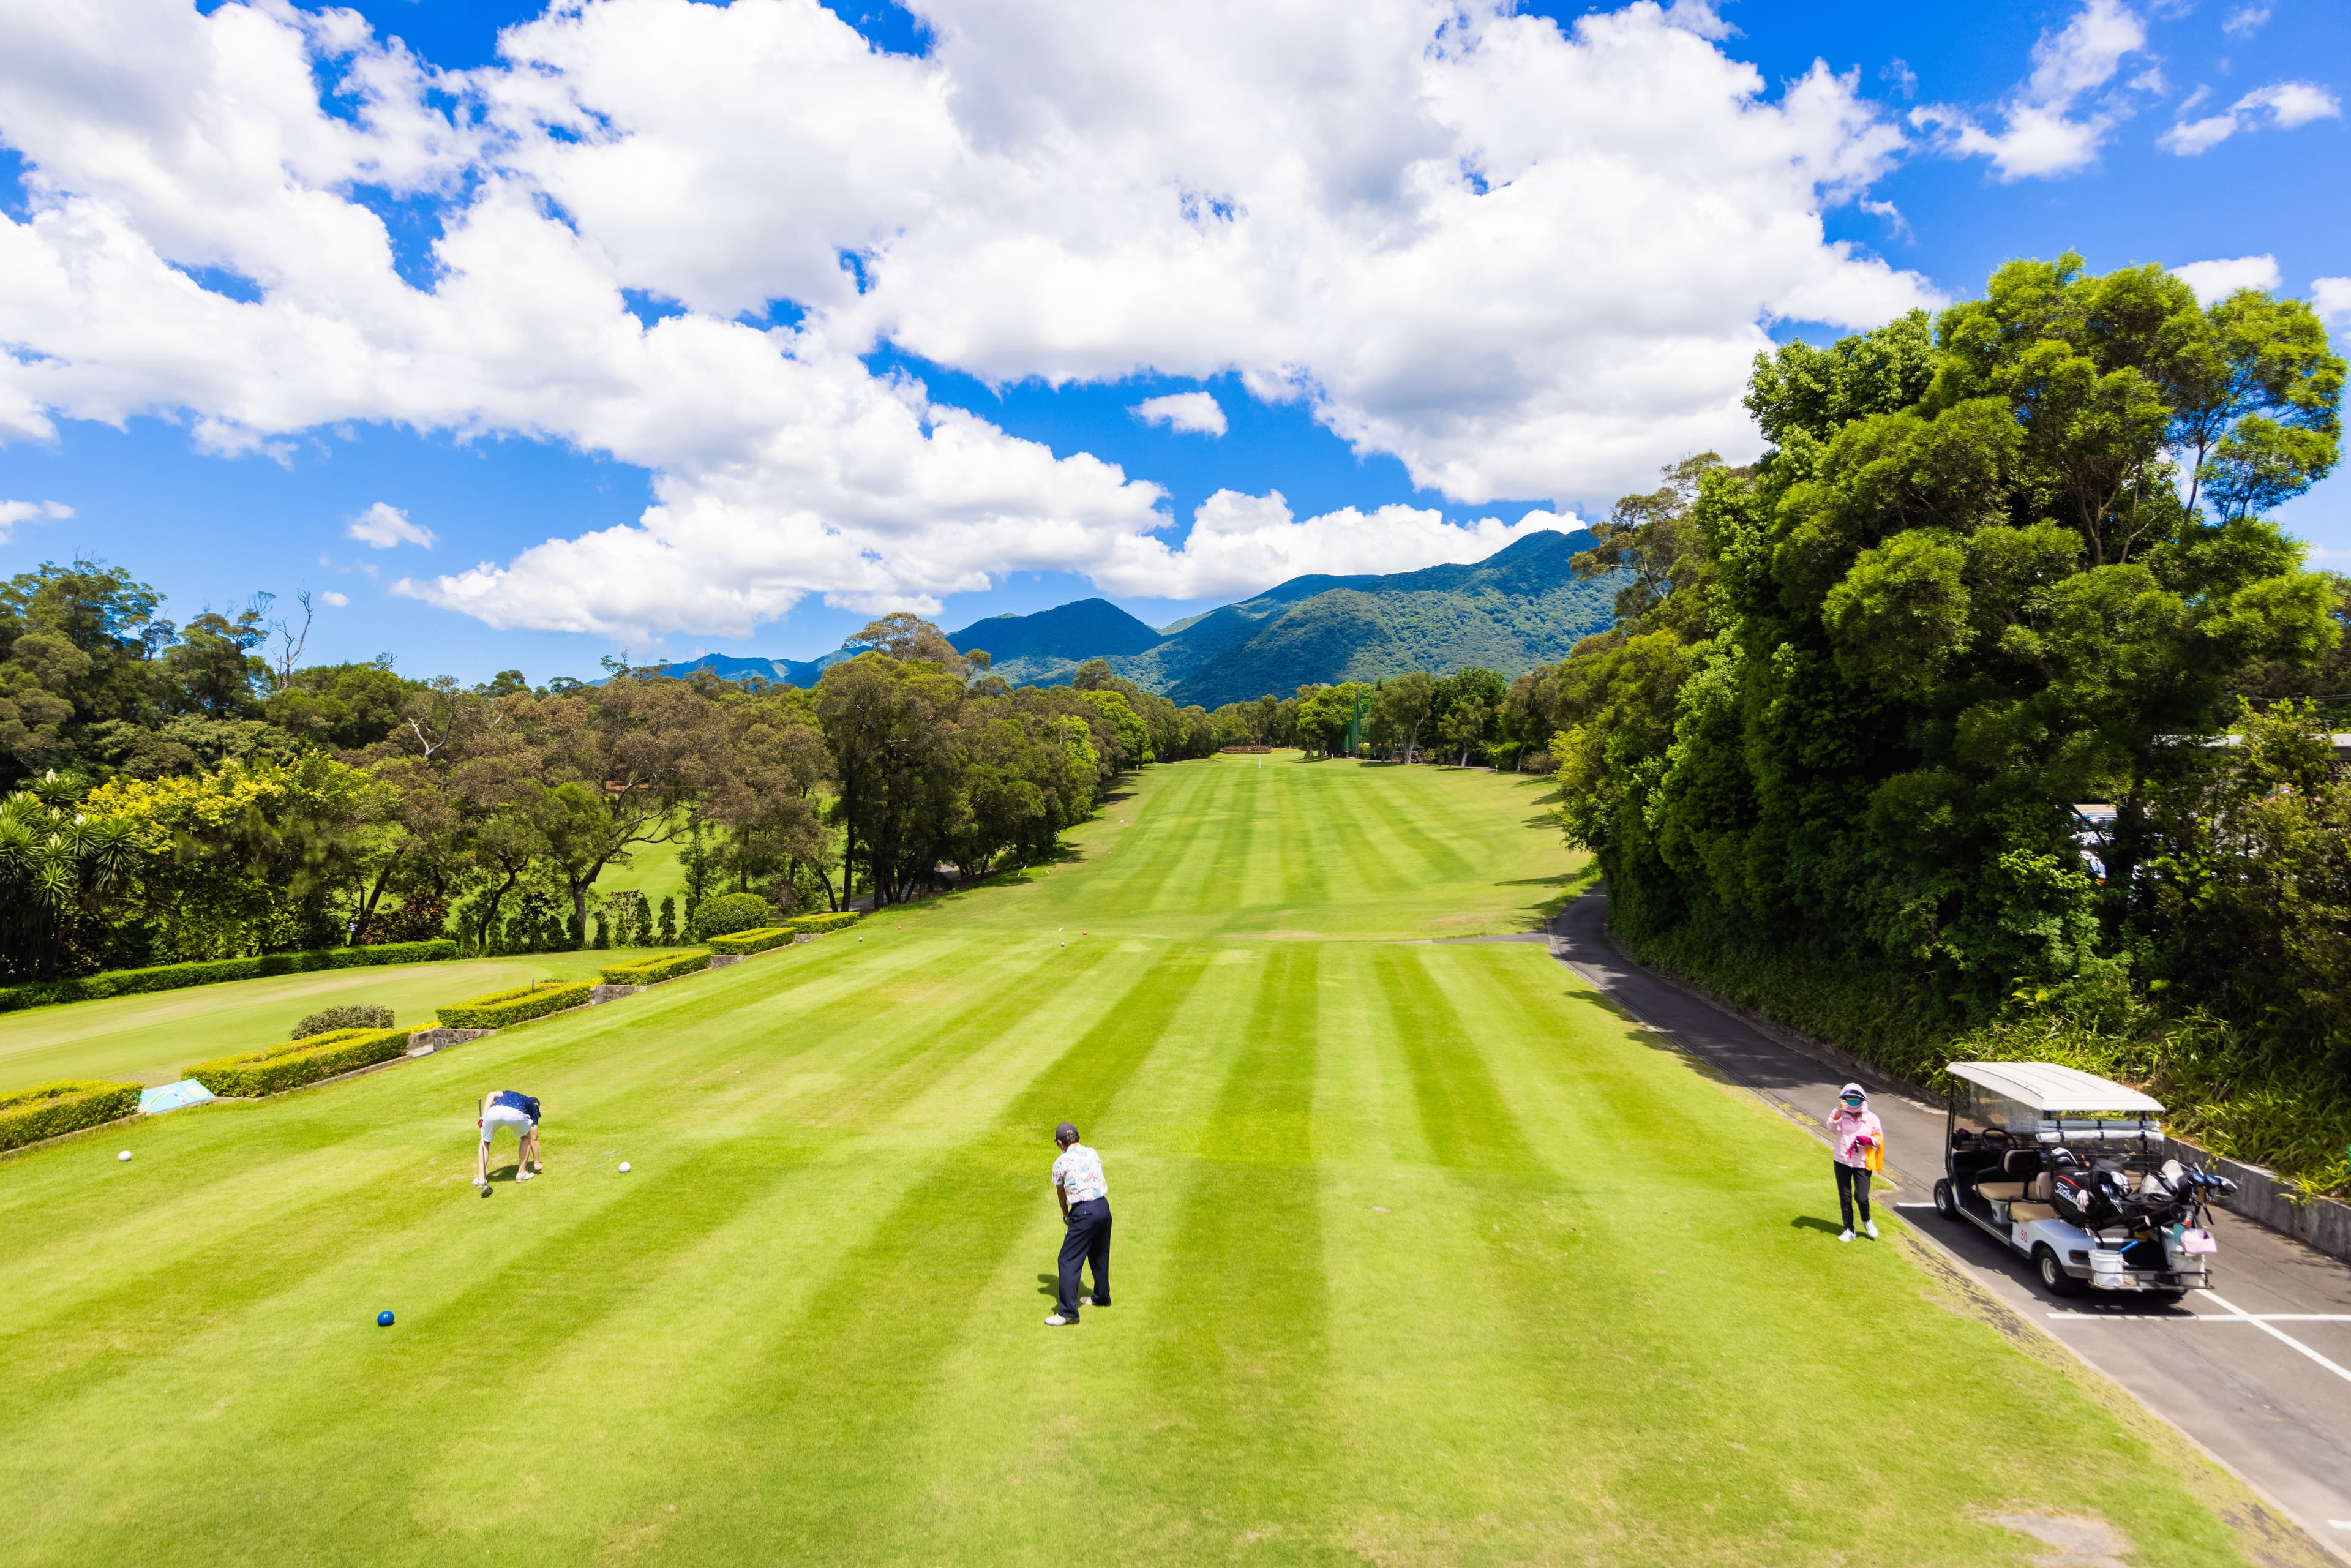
x,y
1422,1255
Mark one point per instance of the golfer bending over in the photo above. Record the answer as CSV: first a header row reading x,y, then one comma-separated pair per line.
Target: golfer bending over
x,y
1084,1195
509,1108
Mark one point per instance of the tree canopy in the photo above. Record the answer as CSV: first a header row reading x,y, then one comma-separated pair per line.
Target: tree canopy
x,y
1988,575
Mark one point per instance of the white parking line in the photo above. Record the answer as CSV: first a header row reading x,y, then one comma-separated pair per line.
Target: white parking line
x,y
2187,1317
2278,1334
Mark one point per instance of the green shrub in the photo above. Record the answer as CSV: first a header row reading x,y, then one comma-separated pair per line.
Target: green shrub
x,y
299,1061
652,971
668,919
731,912
2224,1087
816,924
351,1015
67,1105
758,941
501,1009
172,976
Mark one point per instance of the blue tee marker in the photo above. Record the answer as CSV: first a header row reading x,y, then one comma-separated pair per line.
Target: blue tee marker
x,y
383,1320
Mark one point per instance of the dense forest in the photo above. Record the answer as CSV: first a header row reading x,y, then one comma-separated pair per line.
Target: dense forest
x,y
189,792
177,793
1987,714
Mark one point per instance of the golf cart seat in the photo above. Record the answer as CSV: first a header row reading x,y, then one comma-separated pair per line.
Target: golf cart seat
x,y
2025,1178
2020,1212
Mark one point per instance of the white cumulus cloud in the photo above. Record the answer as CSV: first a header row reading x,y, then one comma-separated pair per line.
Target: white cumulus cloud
x,y
335,600
1194,411
2245,21
1526,261
1242,543
2057,119
15,512
2283,105
2216,279
2331,298
383,526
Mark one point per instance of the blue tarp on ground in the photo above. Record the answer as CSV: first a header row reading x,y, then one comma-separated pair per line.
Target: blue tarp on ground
x,y
171,1096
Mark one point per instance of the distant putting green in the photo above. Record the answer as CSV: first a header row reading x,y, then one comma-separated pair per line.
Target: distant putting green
x,y
1423,1256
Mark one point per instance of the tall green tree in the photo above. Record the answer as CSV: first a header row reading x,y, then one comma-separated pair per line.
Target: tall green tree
x,y
1979,578
1401,709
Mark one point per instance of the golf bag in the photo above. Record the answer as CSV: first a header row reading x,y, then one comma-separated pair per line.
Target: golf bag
x,y
2086,1195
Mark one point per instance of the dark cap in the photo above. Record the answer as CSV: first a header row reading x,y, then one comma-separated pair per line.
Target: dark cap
x,y
1065,1133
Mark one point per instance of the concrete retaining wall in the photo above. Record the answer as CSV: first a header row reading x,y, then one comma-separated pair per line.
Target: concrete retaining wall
x,y
2262,1199
2322,1223
425,1041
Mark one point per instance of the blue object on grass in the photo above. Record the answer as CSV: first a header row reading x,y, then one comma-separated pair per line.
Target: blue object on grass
x,y
383,1320
171,1096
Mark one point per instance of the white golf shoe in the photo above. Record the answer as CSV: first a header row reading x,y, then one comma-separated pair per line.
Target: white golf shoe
x,y
1846,1235
1869,1228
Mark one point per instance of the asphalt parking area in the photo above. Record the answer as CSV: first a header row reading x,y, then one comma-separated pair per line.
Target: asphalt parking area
x,y
2257,1370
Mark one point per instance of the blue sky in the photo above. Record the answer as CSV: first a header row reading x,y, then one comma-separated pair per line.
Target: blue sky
x,y
210,517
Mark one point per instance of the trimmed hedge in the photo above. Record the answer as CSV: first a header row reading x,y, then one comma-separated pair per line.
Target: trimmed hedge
x,y
299,1061
67,1105
731,912
746,941
351,1015
172,976
817,924
652,971
500,1009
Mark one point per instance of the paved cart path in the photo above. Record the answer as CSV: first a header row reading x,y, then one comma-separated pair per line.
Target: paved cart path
x,y
2258,1370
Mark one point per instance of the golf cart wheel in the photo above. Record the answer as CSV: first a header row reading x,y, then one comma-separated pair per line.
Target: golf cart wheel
x,y
2052,1273
1946,1202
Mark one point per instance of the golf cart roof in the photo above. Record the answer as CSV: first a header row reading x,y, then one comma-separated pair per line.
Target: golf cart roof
x,y
2045,1086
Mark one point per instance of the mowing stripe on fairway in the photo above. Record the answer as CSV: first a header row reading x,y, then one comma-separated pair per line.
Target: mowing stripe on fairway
x,y
1239,1369
1463,1117
1424,1255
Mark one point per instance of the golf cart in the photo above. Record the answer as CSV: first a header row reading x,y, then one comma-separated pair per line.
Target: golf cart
x,y
2068,1170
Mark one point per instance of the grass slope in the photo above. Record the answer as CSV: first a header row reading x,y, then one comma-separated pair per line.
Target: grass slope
x,y
150,1039
1423,1256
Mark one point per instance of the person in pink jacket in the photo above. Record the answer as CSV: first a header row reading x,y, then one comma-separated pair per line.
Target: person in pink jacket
x,y
1853,1133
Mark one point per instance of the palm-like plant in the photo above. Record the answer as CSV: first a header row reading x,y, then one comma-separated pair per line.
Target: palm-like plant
x,y
56,867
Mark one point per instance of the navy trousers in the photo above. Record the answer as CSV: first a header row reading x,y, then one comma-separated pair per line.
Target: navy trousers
x,y
1087,1242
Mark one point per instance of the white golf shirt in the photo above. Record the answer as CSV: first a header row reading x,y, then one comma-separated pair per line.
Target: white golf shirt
x,y
1078,1174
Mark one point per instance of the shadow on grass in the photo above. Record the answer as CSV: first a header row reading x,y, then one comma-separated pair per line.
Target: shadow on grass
x,y
1567,887
1656,1040
1826,1227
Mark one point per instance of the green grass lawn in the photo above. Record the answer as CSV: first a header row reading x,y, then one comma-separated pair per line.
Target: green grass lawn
x,y
1423,1256
652,871
149,1039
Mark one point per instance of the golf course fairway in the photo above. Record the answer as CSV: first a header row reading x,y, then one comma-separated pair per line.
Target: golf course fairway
x,y
1423,1254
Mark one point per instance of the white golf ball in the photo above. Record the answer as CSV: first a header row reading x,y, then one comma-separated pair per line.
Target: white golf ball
x,y
624,1167
123,1155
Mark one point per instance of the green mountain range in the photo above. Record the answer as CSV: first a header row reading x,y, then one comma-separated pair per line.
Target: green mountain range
x,y
1520,607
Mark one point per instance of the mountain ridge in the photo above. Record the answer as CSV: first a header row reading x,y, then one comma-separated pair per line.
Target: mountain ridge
x,y
1520,607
